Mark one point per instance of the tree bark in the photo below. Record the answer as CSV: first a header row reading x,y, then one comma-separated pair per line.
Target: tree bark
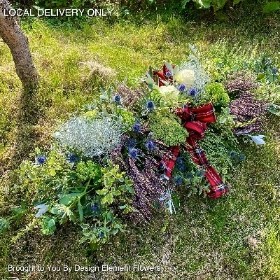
x,y
29,109
18,44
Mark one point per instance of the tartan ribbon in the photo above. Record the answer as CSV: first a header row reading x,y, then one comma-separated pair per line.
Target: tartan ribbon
x,y
163,75
195,120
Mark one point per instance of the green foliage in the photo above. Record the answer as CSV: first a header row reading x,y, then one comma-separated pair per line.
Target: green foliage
x,y
271,248
126,117
266,70
220,151
4,225
271,7
216,93
225,123
274,109
64,3
189,177
166,128
85,193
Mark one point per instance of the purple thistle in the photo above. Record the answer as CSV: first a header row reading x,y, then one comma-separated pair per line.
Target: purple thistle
x,y
150,105
133,153
233,154
117,99
242,157
193,92
137,127
274,71
178,180
168,74
41,159
181,87
150,145
95,207
180,162
72,158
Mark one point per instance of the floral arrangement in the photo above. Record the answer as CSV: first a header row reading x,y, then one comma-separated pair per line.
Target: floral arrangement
x,y
133,153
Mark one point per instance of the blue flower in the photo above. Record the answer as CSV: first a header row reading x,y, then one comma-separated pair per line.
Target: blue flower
x,y
150,105
237,156
180,162
193,92
242,157
101,234
233,154
95,207
72,158
181,87
178,180
117,99
150,145
42,209
131,143
41,159
274,70
137,127
168,74
133,153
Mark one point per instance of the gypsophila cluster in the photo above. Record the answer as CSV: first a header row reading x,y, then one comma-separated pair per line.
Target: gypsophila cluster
x,y
91,137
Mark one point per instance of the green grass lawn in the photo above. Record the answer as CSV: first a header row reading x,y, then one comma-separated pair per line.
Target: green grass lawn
x,y
237,237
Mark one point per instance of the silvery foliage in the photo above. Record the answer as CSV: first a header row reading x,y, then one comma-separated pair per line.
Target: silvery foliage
x,y
94,137
193,63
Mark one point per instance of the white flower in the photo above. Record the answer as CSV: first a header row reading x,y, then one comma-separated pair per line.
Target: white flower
x,y
186,77
169,90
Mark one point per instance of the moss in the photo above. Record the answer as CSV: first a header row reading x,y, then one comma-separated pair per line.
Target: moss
x,y
166,128
216,93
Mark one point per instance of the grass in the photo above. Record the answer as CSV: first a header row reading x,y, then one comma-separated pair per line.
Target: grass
x,y
233,238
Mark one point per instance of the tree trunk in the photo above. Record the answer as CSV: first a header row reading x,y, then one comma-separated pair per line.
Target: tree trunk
x,y
29,111
18,44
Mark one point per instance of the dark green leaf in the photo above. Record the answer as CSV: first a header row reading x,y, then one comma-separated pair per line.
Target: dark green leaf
x,y
69,198
274,109
271,7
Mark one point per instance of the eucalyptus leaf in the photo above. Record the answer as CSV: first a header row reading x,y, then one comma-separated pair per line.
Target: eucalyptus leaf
x,y
69,198
169,67
274,109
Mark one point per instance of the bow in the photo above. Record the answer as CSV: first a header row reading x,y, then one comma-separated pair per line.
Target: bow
x,y
195,120
163,76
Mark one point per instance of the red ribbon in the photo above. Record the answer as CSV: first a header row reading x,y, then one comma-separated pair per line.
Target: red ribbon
x,y
163,75
195,121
